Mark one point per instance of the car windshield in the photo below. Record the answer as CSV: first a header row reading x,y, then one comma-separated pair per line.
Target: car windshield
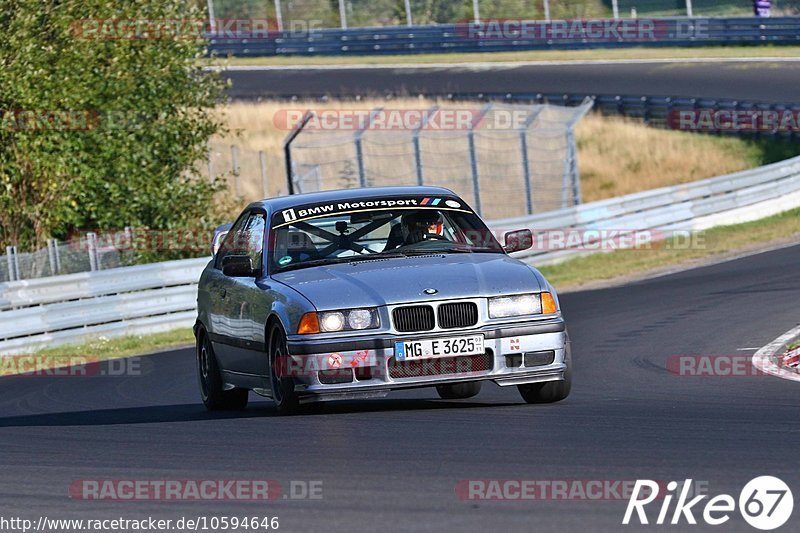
x,y
374,229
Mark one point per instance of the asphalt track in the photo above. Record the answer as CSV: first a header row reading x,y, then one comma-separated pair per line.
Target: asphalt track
x,y
393,464
768,82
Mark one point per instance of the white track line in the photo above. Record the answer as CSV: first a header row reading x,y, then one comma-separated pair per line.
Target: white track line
x,y
497,65
762,359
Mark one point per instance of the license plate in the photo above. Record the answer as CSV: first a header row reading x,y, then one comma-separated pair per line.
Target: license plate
x,y
445,347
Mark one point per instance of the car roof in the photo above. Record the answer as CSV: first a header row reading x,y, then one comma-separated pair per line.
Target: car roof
x,y
285,202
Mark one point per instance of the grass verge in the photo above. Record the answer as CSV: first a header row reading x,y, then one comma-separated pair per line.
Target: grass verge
x,y
102,349
721,52
713,242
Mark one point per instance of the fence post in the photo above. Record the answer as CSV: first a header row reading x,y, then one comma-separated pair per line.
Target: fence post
x,y
51,257
17,271
476,11
342,15
571,163
278,15
689,10
11,252
415,141
235,164
473,157
568,181
91,247
526,170
362,176
287,149
262,157
547,10
57,255
211,20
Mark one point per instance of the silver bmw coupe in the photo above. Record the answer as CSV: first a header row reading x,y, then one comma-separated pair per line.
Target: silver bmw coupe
x,y
353,293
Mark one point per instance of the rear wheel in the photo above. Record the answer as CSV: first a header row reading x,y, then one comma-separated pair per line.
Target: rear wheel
x,y
459,391
283,394
211,387
550,391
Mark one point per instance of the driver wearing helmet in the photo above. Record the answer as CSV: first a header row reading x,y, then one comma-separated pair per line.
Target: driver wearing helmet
x,y
414,227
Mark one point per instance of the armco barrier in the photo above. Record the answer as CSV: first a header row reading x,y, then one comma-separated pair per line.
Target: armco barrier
x,y
557,35
162,296
76,307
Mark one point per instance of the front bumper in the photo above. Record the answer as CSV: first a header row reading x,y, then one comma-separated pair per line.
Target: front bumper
x,y
364,366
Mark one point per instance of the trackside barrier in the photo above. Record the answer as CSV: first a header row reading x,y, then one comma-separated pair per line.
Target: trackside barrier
x,y
675,31
76,307
162,296
729,199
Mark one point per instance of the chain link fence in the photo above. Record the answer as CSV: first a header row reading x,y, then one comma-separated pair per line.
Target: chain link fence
x,y
83,254
507,160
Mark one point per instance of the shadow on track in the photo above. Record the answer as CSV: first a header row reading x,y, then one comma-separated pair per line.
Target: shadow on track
x,y
196,412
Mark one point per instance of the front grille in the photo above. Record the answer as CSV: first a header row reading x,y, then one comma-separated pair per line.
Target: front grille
x,y
441,366
458,315
414,318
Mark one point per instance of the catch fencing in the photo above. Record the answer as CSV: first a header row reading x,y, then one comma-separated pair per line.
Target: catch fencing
x,y
162,296
82,254
507,159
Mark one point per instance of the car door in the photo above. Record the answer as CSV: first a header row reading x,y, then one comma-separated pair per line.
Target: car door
x,y
237,329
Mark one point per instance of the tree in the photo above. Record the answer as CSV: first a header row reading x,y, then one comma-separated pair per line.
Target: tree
x,y
102,121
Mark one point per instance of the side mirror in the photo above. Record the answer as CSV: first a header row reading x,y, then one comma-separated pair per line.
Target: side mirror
x,y
518,240
238,266
220,232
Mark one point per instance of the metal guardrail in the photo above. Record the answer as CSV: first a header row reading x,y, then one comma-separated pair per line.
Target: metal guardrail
x,y
553,35
76,307
727,199
162,296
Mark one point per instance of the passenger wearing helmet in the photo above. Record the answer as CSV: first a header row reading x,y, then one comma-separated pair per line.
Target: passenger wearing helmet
x,y
414,227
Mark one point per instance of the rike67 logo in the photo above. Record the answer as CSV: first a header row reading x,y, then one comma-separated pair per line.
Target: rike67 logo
x,y
765,503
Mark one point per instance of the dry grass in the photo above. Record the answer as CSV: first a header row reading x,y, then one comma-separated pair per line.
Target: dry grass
x,y
620,156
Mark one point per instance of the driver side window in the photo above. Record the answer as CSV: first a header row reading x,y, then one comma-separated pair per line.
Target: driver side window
x,y
246,237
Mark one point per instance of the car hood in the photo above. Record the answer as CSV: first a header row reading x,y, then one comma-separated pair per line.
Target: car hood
x,y
402,280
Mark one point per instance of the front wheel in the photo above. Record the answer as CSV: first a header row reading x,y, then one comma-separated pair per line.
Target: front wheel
x,y
459,391
550,391
283,394
212,392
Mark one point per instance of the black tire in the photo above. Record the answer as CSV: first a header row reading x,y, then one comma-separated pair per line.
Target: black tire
x,y
214,396
285,397
459,391
549,391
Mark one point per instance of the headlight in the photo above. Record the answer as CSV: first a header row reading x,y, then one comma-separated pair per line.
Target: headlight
x,y
521,304
350,319
359,319
331,321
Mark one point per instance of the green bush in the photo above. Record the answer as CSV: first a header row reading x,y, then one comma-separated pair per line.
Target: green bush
x,y
115,126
